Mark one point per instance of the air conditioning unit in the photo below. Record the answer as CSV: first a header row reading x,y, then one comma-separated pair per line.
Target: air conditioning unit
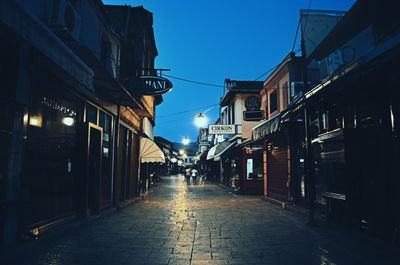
x,y
64,16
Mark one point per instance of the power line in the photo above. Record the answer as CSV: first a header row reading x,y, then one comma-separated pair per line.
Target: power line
x,y
308,11
169,121
295,37
185,111
191,81
270,70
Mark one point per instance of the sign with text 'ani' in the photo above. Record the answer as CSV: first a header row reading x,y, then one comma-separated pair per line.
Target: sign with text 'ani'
x,y
148,85
221,129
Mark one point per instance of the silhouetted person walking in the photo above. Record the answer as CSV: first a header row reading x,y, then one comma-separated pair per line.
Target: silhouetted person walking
x,y
194,175
187,175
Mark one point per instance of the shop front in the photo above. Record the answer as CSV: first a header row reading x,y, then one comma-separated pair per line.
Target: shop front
x,y
67,158
243,168
51,170
252,175
282,157
150,157
126,180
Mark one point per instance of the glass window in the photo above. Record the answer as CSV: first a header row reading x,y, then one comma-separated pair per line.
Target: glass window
x,y
105,121
273,102
255,167
51,156
249,168
91,114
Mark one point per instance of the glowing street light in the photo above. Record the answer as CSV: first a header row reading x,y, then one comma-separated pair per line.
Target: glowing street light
x,y
181,152
185,140
200,121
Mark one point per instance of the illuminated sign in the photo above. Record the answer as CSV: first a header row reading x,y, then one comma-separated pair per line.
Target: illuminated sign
x,y
221,129
53,104
148,85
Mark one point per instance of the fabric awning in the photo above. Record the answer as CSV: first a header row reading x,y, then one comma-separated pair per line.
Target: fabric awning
x,y
198,157
222,148
267,128
211,152
217,150
150,152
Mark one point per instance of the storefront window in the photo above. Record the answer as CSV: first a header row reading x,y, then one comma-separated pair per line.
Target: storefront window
x,y
91,114
249,168
254,168
51,155
105,122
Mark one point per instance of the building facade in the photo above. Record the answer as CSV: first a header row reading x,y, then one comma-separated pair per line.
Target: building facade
x,y
64,141
240,111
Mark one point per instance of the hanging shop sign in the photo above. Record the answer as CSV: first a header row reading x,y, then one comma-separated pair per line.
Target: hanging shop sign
x,y
221,129
148,85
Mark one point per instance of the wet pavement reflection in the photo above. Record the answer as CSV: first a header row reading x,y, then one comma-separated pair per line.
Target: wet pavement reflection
x,y
204,224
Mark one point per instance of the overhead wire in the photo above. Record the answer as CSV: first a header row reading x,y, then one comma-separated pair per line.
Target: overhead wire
x,y
295,37
185,111
308,10
270,70
192,81
169,121
294,43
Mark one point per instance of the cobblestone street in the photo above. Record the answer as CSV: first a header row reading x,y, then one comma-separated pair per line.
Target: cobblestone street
x,y
203,224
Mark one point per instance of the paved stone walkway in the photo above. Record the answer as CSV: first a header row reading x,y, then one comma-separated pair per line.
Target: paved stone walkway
x,y
204,224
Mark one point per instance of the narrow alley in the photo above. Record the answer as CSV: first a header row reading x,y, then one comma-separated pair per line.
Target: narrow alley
x,y
202,224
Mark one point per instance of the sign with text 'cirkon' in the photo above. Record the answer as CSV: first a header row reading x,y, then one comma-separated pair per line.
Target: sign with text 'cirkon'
x,y
221,129
148,85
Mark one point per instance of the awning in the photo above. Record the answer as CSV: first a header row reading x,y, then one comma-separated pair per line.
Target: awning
x,y
150,152
198,157
217,150
224,150
267,128
211,152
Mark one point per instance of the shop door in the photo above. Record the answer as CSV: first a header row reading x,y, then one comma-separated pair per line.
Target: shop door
x,y
277,174
253,181
94,168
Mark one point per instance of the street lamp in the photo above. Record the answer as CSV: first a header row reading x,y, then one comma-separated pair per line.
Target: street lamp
x,y
181,152
185,140
200,120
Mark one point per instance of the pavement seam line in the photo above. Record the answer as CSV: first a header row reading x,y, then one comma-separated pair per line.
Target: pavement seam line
x,y
194,240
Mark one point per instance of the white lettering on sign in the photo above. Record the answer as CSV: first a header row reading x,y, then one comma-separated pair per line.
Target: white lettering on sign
x,y
221,129
156,84
51,103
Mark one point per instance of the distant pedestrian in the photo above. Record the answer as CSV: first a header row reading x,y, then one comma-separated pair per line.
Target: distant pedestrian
x,y
187,175
194,175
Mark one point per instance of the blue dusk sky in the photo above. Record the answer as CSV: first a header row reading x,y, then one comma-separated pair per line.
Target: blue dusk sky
x,y
211,40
